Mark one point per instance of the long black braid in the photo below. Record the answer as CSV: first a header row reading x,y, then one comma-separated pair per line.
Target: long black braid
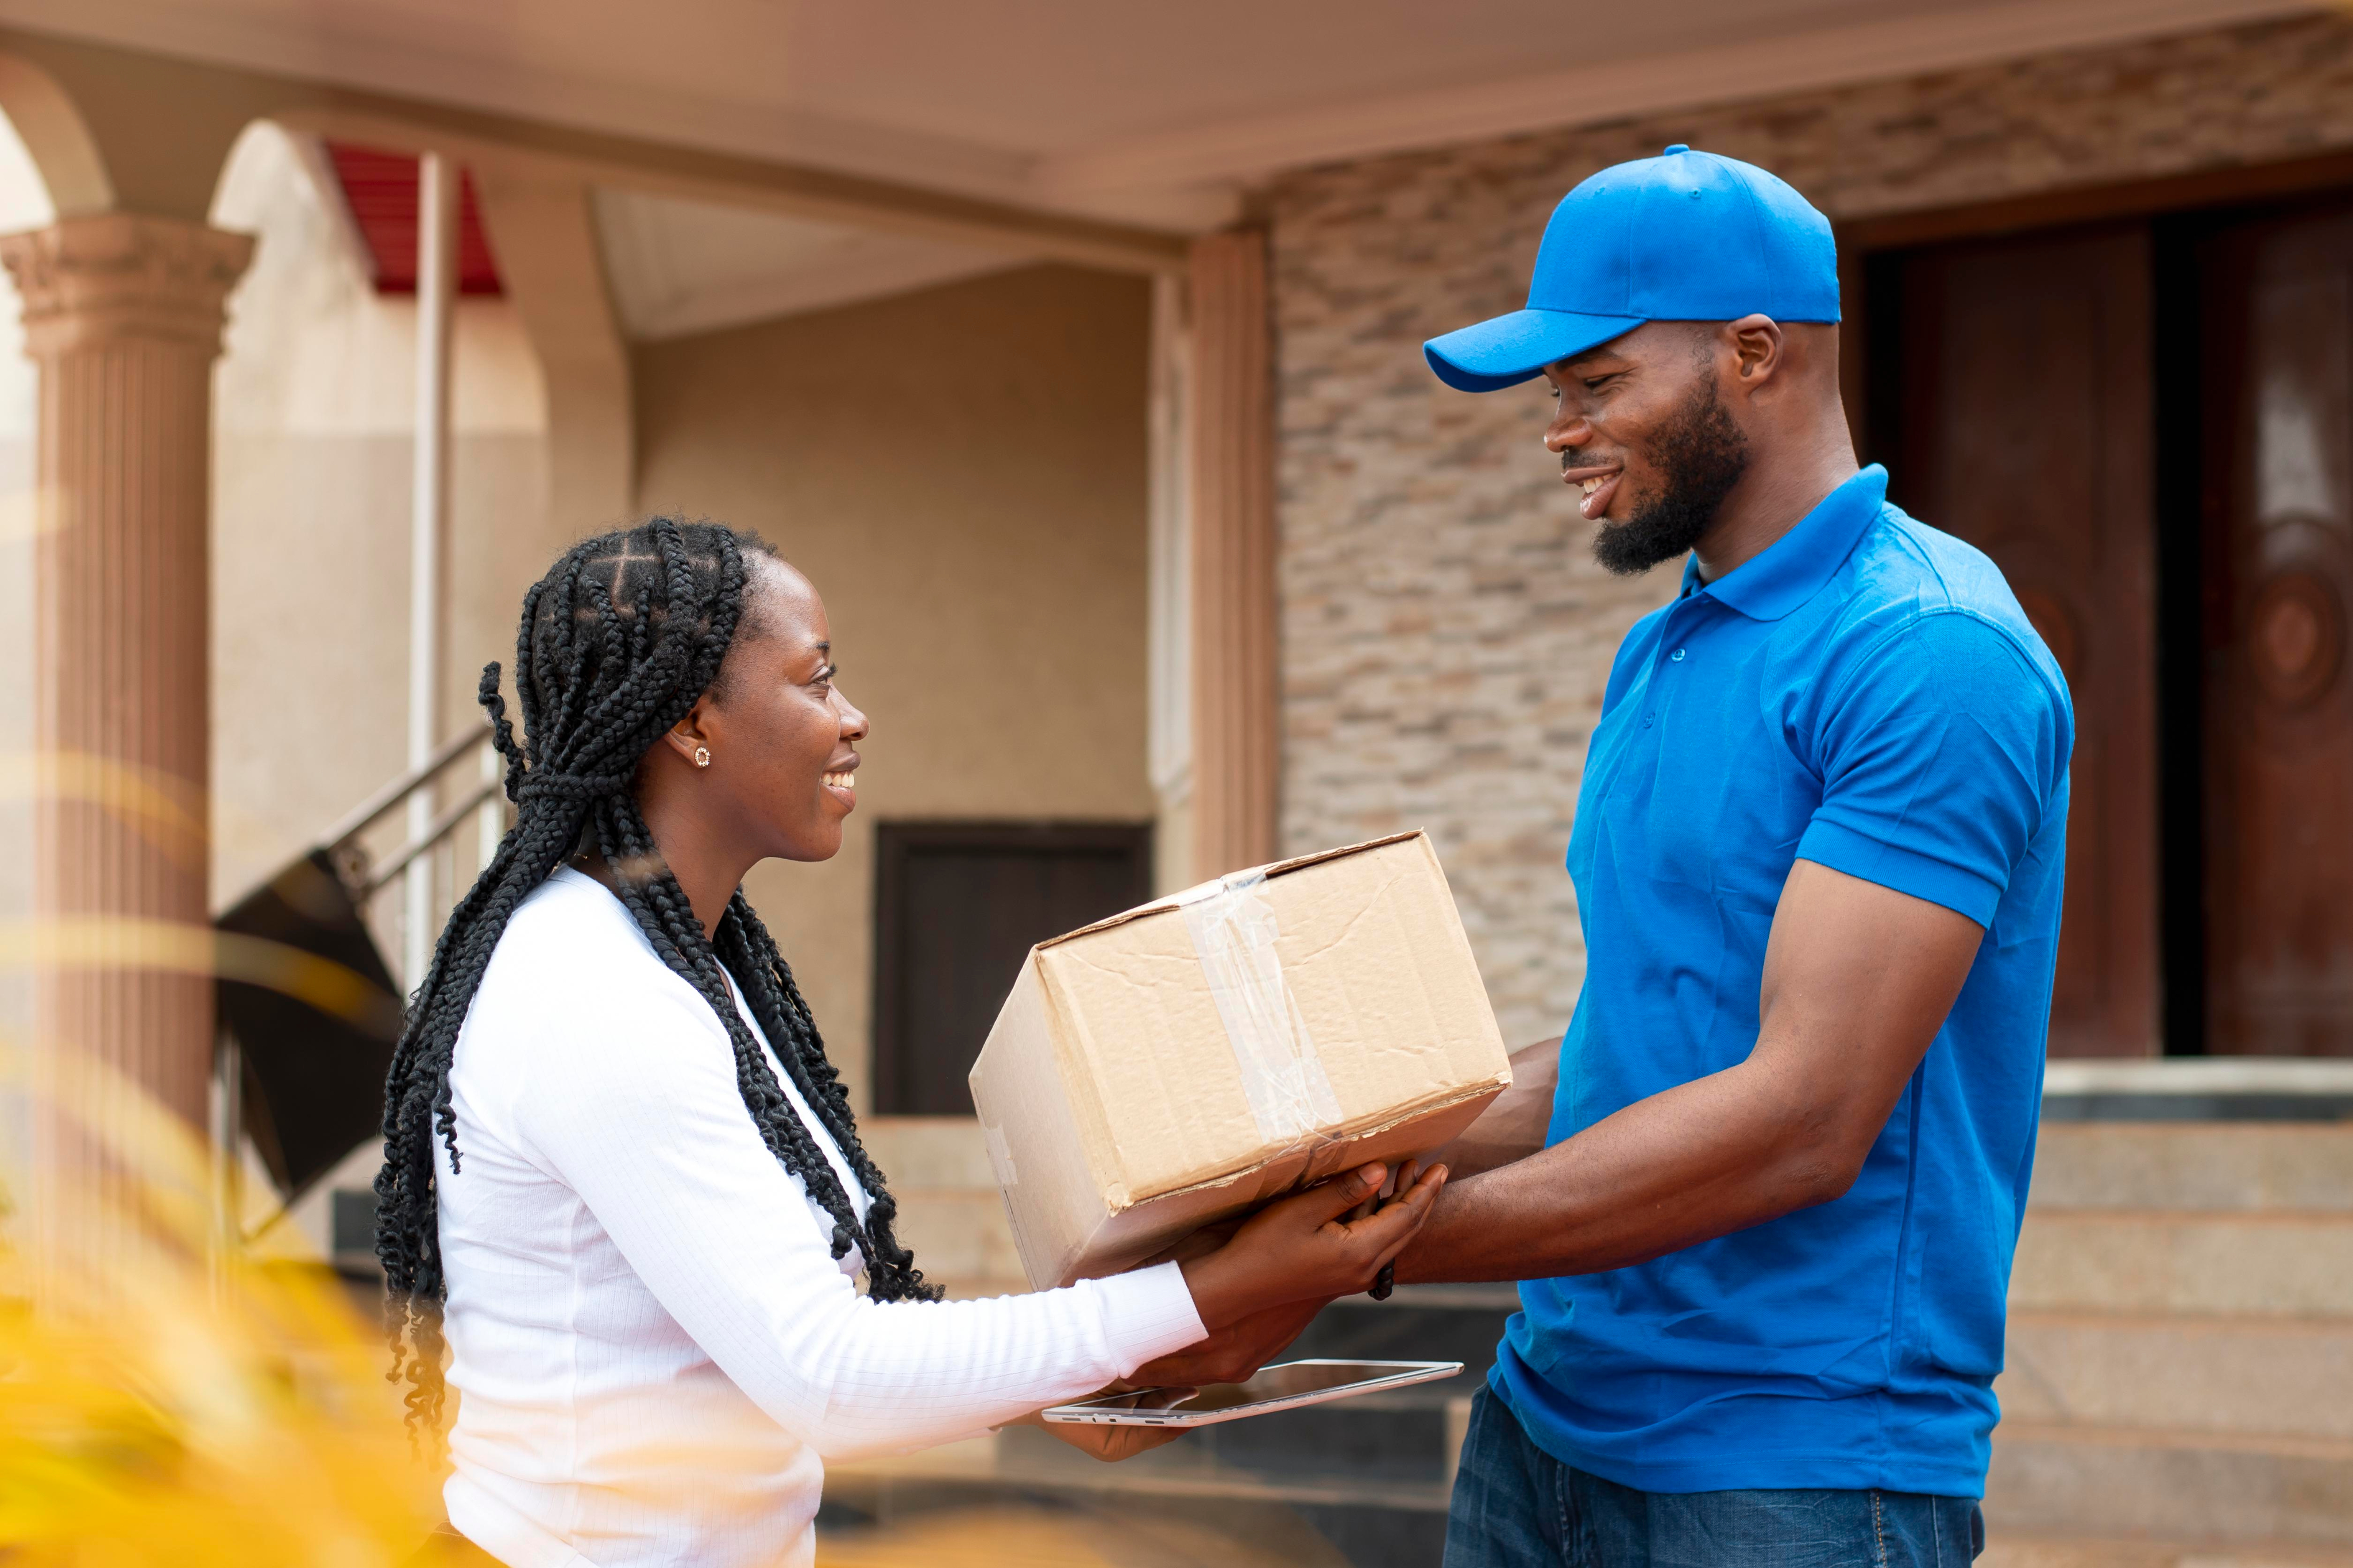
x,y
616,643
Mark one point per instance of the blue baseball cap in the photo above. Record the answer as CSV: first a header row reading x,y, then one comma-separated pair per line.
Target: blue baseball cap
x,y
1684,236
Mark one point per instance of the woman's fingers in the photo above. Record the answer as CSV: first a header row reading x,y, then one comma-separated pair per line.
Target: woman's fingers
x,y
1112,1444
1388,1232
1412,1197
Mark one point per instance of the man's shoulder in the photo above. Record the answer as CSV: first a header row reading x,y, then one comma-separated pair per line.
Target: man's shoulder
x,y
1909,589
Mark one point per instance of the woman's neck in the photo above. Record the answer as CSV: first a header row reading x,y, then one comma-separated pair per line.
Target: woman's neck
x,y
709,880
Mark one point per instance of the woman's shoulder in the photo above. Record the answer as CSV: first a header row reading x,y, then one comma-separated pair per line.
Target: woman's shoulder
x,y
573,962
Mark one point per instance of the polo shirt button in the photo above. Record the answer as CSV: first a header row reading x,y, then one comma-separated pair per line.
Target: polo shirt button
x,y
1677,655
1646,720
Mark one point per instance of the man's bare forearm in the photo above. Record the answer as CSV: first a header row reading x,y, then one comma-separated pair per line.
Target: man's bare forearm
x,y
1702,1160
1512,1126
1858,978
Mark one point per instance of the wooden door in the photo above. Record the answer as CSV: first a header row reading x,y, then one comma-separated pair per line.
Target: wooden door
x,y
2278,353
2023,409
957,906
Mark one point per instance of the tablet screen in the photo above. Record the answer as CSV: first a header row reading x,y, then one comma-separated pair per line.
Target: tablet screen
x,y
1302,1382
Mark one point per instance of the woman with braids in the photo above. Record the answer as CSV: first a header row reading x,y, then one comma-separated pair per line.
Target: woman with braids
x,y
619,1171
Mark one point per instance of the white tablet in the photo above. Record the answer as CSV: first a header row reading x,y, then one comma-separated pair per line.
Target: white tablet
x,y
1284,1387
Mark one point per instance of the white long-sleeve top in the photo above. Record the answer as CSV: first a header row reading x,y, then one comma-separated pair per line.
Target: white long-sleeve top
x,y
653,1346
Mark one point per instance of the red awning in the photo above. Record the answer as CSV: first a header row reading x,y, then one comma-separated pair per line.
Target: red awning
x,y
382,189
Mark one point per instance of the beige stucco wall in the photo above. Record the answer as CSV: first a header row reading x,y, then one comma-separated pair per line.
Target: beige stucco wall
x,y
1446,632
313,409
962,473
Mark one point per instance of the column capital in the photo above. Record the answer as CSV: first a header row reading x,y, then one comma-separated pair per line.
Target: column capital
x,y
117,277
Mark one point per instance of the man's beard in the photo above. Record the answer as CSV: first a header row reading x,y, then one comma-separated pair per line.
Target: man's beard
x,y
1702,455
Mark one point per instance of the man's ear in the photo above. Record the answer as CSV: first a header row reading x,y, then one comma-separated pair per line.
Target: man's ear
x,y
1760,352
687,734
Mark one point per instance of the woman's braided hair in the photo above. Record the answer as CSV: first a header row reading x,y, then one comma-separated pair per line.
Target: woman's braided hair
x,y
617,642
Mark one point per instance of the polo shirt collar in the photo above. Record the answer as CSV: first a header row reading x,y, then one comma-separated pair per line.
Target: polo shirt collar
x,y
1793,568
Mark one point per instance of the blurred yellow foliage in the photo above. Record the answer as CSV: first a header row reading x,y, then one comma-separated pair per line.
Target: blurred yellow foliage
x,y
163,1397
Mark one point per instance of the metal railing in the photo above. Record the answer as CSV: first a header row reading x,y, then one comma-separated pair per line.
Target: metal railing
x,y
317,1072
438,853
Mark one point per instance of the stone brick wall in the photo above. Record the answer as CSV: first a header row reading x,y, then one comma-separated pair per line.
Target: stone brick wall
x,y
1446,632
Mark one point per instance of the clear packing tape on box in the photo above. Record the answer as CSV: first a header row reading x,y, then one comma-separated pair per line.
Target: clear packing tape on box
x,y
1189,1058
1234,932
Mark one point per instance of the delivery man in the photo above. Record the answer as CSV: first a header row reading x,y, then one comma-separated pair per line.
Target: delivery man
x,y
1764,1238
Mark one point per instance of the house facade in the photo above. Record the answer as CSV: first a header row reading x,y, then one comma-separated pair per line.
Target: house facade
x,y
1154,550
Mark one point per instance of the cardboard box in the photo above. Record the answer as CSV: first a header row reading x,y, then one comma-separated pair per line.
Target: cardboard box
x,y
1190,1059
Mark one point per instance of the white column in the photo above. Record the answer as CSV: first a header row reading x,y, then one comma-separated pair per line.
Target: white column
x,y
1236,756
436,287
123,312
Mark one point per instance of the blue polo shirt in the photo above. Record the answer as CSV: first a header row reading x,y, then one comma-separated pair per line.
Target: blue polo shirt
x,y
1867,694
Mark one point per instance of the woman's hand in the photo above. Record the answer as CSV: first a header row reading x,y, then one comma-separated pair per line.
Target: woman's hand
x,y
1109,1444
1232,1354
1306,1246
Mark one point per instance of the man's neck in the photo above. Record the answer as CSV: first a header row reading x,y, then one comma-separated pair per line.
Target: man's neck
x,y
1771,499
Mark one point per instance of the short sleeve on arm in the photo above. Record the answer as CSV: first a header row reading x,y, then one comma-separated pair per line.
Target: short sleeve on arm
x,y
1939,753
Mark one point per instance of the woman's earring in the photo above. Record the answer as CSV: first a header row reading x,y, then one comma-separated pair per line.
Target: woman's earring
x,y
701,756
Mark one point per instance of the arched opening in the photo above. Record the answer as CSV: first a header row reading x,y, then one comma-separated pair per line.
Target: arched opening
x,y
24,204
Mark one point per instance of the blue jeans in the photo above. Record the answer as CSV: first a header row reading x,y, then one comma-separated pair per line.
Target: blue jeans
x,y
1515,1506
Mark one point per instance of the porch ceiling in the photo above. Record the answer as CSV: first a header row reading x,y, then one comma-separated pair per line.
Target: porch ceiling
x,y
1156,115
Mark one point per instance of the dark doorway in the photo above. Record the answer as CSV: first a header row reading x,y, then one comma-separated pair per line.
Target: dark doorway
x,y
2148,425
2023,390
2278,527
958,907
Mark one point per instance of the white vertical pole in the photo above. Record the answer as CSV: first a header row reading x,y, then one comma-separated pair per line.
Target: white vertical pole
x,y
491,822
437,286
227,1104
1168,612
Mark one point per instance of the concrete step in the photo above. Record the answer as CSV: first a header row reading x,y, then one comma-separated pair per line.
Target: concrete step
x,y
2219,1167
904,1521
2170,1486
2271,1089
1403,1437
962,1240
1360,1522
2255,1263
1418,1322
949,1210
2283,1377
2067,1552
1368,1478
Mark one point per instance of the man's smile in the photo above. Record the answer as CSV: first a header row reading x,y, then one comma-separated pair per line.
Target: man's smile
x,y
1600,483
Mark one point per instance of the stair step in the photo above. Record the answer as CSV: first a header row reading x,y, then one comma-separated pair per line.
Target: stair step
x,y
960,1235
2258,1264
1420,1322
1373,1438
1366,1522
2067,1552
2197,1166
2171,1486
947,1528
2282,1377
